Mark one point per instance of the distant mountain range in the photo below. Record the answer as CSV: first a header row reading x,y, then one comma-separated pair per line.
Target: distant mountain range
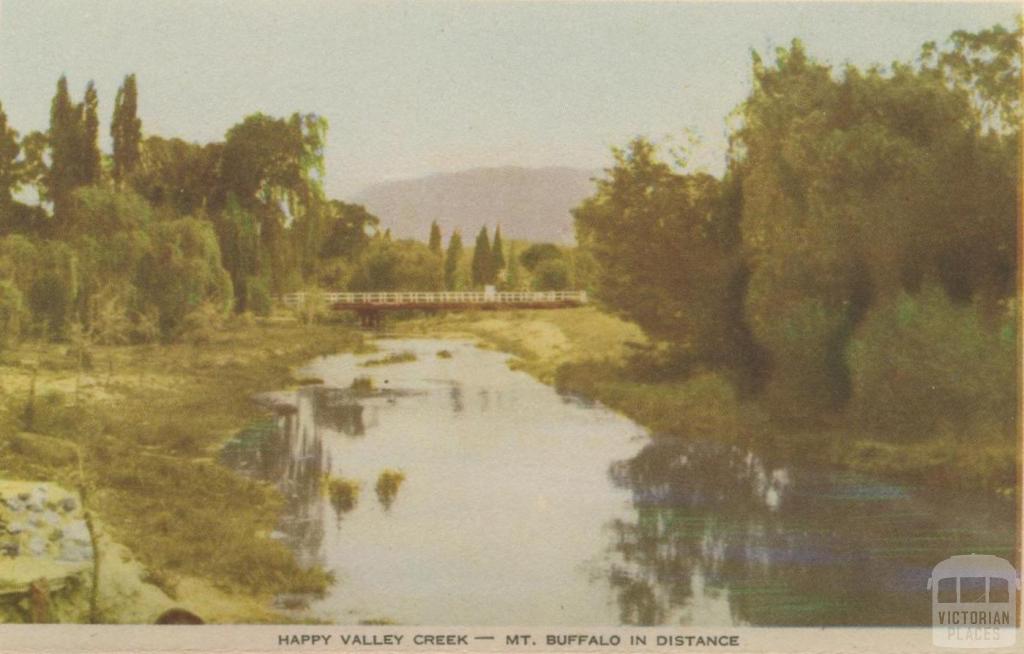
x,y
529,203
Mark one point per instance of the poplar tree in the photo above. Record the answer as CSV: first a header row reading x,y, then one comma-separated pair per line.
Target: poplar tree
x,y
63,139
481,267
90,167
451,261
9,150
126,130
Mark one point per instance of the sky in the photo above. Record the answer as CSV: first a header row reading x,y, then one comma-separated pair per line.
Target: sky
x,y
414,88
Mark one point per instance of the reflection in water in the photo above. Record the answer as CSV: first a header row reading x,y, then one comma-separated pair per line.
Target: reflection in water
x,y
337,409
528,507
717,528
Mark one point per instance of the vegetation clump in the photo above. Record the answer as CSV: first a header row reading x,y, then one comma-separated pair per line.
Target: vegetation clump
x,y
388,483
343,494
362,384
390,358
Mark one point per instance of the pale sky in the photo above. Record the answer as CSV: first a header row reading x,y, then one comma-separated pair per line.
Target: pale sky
x,y
412,88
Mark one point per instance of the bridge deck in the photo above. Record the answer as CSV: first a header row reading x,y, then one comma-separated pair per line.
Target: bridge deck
x,y
394,300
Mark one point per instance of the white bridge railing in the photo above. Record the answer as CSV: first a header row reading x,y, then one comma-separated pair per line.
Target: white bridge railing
x,y
292,300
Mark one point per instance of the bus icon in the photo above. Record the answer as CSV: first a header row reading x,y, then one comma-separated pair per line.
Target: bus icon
x,y
974,602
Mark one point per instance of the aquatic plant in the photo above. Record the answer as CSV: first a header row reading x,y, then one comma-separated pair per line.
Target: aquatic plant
x,y
387,486
343,493
362,383
391,357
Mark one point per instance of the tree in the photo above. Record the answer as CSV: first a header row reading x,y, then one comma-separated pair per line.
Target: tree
x,y
452,259
182,272
32,168
63,140
481,267
538,252
497,254
183,176
350,229
274,167
513,278
10,180
126,130
652,230
90,147
403,265
551,275
435,238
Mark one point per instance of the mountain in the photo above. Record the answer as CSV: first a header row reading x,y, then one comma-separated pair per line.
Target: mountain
x,y
529,203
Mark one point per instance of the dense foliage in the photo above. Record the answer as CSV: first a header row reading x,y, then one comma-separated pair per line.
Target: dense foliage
x,y
859,254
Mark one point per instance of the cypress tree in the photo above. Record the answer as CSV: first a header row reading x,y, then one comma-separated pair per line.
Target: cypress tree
x,y
451,261
481,267
497,254
512,279
435,238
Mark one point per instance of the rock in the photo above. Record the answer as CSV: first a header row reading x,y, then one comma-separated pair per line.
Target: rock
x,y
36,546
10,548
73,551
78,532
68,504
37,499
16,527
15,504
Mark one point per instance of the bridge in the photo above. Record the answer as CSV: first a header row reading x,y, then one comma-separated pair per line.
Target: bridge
x,y
369,306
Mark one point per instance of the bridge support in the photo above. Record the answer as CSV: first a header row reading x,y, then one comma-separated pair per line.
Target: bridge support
x,y
370,319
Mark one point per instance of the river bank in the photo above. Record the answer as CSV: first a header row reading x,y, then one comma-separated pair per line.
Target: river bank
x,y
586,352
150,421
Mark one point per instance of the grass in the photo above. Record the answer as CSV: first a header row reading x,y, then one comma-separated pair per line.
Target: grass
x,y
390,358
362,384
150,434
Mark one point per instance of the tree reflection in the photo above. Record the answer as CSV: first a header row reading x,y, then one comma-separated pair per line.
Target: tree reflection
x,y
718,536
336,409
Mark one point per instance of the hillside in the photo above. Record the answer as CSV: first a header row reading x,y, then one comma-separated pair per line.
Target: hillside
x,y
528,203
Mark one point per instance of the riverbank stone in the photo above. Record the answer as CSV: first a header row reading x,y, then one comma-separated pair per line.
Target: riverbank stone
x,y
44,536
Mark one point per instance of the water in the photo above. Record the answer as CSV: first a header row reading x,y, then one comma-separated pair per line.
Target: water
x,y
521,506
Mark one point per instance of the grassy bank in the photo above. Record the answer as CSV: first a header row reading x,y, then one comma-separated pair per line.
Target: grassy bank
x,y
149,421
587,352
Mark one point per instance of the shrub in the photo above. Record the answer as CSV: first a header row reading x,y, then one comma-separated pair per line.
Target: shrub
x,y
551,275
12,313
806,381
50,301
257,296
923,366
202,323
